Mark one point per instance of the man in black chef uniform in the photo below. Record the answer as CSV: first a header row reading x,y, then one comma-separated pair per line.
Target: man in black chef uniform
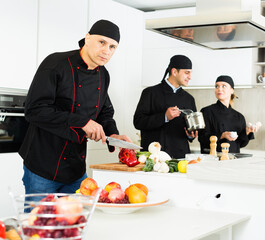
x,y
67,104
157,115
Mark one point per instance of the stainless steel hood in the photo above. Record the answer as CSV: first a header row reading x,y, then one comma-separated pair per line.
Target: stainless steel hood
x,y
222,24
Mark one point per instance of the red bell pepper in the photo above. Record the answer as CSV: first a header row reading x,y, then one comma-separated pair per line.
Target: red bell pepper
x,y
128,156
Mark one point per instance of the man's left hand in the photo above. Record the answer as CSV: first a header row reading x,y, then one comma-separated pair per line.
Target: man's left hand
x,y
121,137
192,134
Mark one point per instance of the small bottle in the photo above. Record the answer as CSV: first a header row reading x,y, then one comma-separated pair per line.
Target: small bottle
x,y
213,145
225,150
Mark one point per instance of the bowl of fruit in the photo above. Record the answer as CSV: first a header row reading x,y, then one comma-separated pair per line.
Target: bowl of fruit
x,y
54,216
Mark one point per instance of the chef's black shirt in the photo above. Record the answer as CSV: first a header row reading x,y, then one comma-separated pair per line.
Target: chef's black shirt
x,y
218,119
149,118
62,98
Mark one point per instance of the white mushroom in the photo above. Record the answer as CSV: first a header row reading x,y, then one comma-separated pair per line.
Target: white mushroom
x,y
157,166
154,147
163,156
164,168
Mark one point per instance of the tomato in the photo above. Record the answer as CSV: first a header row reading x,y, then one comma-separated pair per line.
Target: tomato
x,y
2,230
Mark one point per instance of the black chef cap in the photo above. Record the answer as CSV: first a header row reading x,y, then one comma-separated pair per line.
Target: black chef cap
x,y
227,79
104,28
178,62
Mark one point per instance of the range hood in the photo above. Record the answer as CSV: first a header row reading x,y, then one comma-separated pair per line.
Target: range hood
x,y
222,24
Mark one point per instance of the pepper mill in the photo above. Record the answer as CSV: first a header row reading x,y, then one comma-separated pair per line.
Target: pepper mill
x,y
225,150
213,145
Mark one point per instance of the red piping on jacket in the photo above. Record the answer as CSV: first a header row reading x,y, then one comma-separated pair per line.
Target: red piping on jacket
x,y
60,160
71,112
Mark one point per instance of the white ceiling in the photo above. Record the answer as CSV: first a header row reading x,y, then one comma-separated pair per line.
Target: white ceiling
x,y
151,5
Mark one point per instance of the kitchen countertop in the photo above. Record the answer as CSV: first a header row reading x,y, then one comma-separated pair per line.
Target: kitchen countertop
x,y
163,222
244,170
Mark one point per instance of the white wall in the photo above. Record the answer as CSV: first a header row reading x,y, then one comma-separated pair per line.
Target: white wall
x,y
18,42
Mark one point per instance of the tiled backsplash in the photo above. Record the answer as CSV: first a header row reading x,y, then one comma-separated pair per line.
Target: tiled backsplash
x,y
250,103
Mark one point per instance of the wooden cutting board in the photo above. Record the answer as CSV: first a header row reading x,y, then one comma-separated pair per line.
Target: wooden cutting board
x,y
118,167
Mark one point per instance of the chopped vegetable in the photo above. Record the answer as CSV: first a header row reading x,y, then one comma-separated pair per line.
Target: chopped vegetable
x,y
147,154
2,230
142,158
149,164
173,165
128,156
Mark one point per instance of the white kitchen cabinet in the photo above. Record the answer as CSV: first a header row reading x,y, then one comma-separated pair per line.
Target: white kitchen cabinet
x,y
260,65
18,42
62,23
11,173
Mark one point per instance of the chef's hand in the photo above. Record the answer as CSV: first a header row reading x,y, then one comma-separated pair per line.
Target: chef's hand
x,y
192,134
250,129
228,136
172,112
94,131
121,137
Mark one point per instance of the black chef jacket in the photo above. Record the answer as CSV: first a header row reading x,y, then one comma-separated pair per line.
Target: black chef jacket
x,y
218,119
62,98
149,117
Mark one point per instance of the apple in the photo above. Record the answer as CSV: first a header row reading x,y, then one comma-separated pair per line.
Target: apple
x,y
112,185
116,194
32,216
103,193
70,207
88,185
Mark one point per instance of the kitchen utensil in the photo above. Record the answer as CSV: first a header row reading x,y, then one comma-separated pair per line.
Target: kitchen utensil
x,y
186,111
213,145
261,78
225,150
122,144
118,167
194,121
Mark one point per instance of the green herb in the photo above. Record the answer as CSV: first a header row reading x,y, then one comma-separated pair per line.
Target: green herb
x,y
149,164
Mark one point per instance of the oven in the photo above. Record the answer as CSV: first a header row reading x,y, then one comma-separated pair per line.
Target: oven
x,y
13,125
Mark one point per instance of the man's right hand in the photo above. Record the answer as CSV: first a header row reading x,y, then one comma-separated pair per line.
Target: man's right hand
x,y
172,112
94,131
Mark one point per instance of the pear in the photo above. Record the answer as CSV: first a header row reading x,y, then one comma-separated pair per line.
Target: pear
x,y
136,195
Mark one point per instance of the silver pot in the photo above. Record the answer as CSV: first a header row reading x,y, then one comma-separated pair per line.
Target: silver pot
x,y
194,121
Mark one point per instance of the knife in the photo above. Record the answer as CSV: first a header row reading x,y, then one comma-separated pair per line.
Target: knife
x,y
122,144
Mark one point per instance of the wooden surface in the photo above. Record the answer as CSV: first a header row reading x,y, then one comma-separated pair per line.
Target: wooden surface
x,y
118,167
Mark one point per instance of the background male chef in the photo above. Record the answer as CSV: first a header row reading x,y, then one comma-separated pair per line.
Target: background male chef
x,y
157,115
